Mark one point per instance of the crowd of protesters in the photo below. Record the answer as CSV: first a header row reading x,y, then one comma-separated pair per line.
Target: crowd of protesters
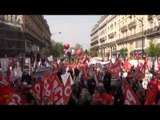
x,y
88,90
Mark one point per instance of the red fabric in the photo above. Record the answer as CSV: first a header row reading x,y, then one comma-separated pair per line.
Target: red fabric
x,y
37,90
48,87
105,99
127,66
130,97
115,68
146,64
151,92
67,91
57,90
9,96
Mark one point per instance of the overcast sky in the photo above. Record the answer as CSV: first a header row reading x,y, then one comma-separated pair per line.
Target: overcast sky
x,y
74,28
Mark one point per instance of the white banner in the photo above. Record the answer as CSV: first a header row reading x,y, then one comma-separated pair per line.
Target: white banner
x,y
65,77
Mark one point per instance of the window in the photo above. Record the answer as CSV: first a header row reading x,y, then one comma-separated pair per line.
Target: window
x,y
18,20
131,32
9,17
139,44
151,24
154,24
134,30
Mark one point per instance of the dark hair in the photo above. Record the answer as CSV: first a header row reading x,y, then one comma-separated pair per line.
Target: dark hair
x,y
101,90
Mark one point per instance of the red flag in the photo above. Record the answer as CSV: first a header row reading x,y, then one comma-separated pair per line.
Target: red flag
x,y
152,92
140,72
37,89
48,87
9,96
127,66
67,91
130,97
57,90
115,70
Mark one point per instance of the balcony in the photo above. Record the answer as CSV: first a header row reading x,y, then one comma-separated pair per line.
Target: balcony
x,y
113,43
93,43
111,35
128,38
152,31
150,17
158,17
132,24
102,40
124,28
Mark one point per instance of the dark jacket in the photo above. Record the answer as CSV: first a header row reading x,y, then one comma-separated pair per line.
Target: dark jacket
x,y
107,82
91,84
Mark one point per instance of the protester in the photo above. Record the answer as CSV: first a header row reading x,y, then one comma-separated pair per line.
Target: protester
x,y
73,100
91,85
103,98
107,81
84,98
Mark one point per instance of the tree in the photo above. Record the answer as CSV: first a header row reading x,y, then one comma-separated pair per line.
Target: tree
x,y
77,46
47,52
57,49
153,50
92,53
123,52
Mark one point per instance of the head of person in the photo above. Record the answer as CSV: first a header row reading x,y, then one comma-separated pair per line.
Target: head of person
x,y
101,89
84,92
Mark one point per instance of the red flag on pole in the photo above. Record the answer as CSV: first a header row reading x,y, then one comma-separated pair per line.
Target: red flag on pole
x,y
48,87
127,66
67,91
130,97
152,92
57,91
37,90
9,96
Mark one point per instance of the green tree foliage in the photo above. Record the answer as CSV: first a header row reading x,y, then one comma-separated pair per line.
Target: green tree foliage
x,y
57,49
123,52
92,53
153,50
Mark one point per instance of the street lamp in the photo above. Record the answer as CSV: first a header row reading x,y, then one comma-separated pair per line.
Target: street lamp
x,y
55,33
